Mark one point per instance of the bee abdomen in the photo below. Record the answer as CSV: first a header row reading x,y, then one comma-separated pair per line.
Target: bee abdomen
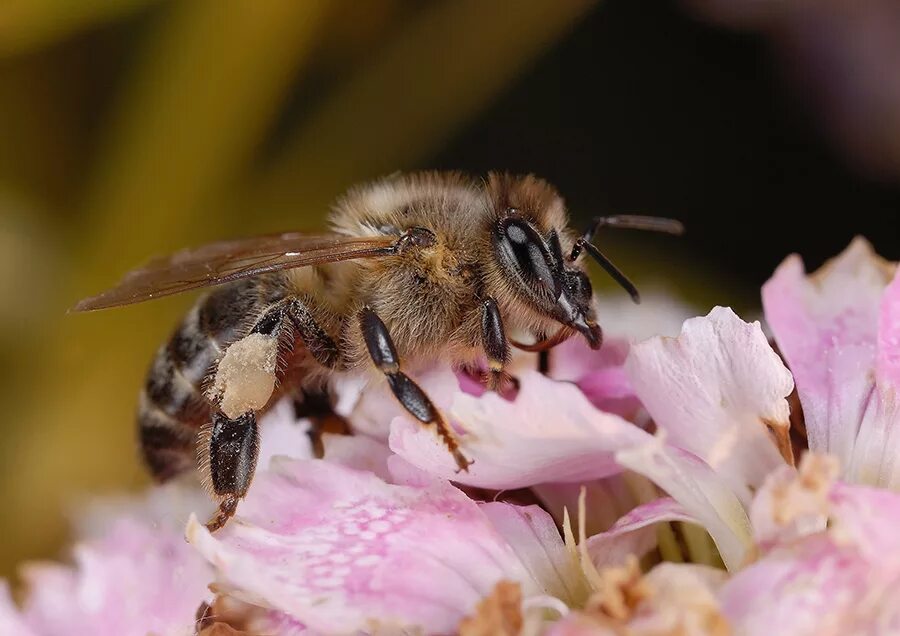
x,y
167,444
174,405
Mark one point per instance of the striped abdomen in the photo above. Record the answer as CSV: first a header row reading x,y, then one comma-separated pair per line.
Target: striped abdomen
x,y
173,405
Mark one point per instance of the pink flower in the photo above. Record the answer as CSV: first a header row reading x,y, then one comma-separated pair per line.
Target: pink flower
x,y
839,330
826,562
561,428
830,559
137,576
340,550
717,394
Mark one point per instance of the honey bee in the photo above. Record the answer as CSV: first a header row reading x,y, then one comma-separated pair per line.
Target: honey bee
x,y
419,267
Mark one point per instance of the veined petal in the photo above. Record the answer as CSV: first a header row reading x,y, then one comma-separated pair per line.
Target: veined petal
x,y
826,326
714,390
634,533
702,492
887,369
875,457
533,535
550,433
340,550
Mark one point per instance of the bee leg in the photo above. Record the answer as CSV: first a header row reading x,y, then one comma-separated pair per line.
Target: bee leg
x,y
317,408
544,362
233,449
496,347
244,383
408,393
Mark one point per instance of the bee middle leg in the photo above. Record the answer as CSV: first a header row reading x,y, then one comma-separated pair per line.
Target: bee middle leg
x,y
408,393
244,382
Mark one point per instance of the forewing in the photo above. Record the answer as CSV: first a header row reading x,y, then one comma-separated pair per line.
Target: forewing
x,y
226,261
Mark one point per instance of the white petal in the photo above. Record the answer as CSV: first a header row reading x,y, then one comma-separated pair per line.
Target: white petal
x,y
701,491
550,433
714,390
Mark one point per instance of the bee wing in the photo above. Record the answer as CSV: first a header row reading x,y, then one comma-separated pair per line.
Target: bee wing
x,y
226,261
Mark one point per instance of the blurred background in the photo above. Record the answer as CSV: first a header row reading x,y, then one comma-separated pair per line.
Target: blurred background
x,y
130,128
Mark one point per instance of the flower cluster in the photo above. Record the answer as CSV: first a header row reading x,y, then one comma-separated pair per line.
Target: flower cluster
x,y
663,485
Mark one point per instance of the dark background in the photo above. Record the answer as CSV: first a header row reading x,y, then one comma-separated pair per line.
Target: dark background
x,y
646,108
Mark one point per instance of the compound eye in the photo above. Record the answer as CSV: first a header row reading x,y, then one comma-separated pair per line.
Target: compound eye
x,y
523,250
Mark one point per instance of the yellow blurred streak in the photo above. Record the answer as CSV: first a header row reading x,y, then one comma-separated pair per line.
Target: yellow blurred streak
x,y
210,84
205,88
453,59
26,25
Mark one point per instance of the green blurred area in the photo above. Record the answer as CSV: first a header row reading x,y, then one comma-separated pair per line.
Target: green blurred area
x,y
134,127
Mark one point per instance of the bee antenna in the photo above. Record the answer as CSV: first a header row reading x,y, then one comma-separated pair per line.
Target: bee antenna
x,y
607,265
625,222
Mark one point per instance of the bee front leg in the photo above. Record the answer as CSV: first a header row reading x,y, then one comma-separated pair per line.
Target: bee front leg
x,y
408,393
496,347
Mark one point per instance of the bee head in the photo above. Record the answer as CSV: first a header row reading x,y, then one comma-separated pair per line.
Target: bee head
x,y
527,248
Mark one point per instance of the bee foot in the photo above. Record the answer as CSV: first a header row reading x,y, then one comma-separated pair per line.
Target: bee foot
x,y
226,511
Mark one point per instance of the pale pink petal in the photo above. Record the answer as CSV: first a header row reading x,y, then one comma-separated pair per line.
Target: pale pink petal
x,y
713,390
635,533
535,539
887,369
812,589
605,501
281,433
358,452
599,374
375,407
791,505
839,578
340,550
682,599
550,433
868,518
671,599
137,579
702,492
574,360
875,457
826,326
11,620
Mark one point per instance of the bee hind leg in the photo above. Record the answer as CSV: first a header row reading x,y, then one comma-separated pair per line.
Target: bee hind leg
x,y
408,393
232,446
317,407
244,383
